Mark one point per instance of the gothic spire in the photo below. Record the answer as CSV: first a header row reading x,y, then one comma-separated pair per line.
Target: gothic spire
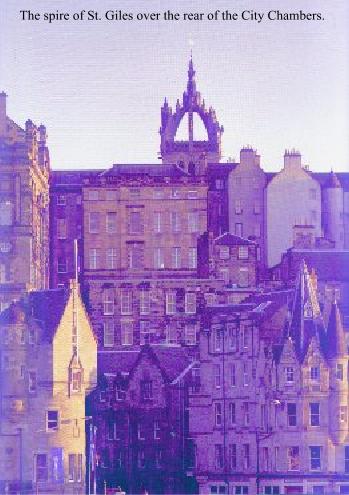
x,y
335,334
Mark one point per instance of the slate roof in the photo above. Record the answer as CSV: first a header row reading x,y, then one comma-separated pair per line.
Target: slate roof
x,y
46,307
151,170
328,264
335,334
228,239
172,360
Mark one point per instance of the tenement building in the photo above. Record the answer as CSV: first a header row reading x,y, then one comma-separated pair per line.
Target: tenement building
x,y
199,306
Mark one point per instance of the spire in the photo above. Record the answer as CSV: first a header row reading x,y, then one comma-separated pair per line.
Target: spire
x,y
191,85
335,334
332,181
306,320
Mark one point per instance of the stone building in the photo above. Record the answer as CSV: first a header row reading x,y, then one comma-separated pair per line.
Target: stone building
x,y
48,366
140,414
24,200
271,416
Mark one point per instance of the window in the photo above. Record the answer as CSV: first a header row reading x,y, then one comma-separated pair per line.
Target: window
x,y
241,490
75,467
119,458
52,420
93,195
94,258
144,330
61,201
146,389
265,458
246,413
291,414
243,253
176,257
78,199
217,375
192,257
140,431
111,431
238,229
218,455
61,265
190,302
76,378
344,489
157,430
293,460
193,221
232,456
339,371
175,222
135,255
126,302
318,490
232,413
158,194
315,458
346,459
171,334
108,302
111,258
175,194
190,334
120,392
158,458
136,225
245,374
144,307
238,206
192,194
108,333
246,455
224,252
256,207
271,490
244,336
170,303
218,339
218,414
61,228
157,222
314,413
94,222
233,375
159,259
41,467
219,184
315,373
6,212
233,337
126,332
111,222
289,374
257,230
343,414
32,381
110,195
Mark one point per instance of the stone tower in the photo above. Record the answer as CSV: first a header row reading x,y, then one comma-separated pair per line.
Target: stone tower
x,y
190,155
24,214
333,211
337,355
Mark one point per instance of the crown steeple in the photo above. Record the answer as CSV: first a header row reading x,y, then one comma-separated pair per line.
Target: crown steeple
x,y
335,334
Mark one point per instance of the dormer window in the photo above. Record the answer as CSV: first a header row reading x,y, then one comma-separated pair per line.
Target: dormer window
x,y
146,389
289,374
315,373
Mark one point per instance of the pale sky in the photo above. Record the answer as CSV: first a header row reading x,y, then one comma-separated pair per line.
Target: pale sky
x,y
98,86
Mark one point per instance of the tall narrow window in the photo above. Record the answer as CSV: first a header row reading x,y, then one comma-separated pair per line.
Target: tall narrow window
x,y
246,413
175,222
144,308
157,222
94,258
315,458
193,221
314,413
111,222
94,220
126,302
246,455
171,303
61,228
293,460
176,257
291,414
135,256
218,414
159,258
190,302
108,302
126,332
238,229
192,256
108,333
111,258
232,456
346,459
218,448
233,374
136,225
232,413
217,375
52,420
190,334
41,467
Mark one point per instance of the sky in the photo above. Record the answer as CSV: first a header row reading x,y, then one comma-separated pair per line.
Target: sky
x,y
98,86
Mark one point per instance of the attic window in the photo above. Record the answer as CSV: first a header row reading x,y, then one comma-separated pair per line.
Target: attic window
x,y
146,389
